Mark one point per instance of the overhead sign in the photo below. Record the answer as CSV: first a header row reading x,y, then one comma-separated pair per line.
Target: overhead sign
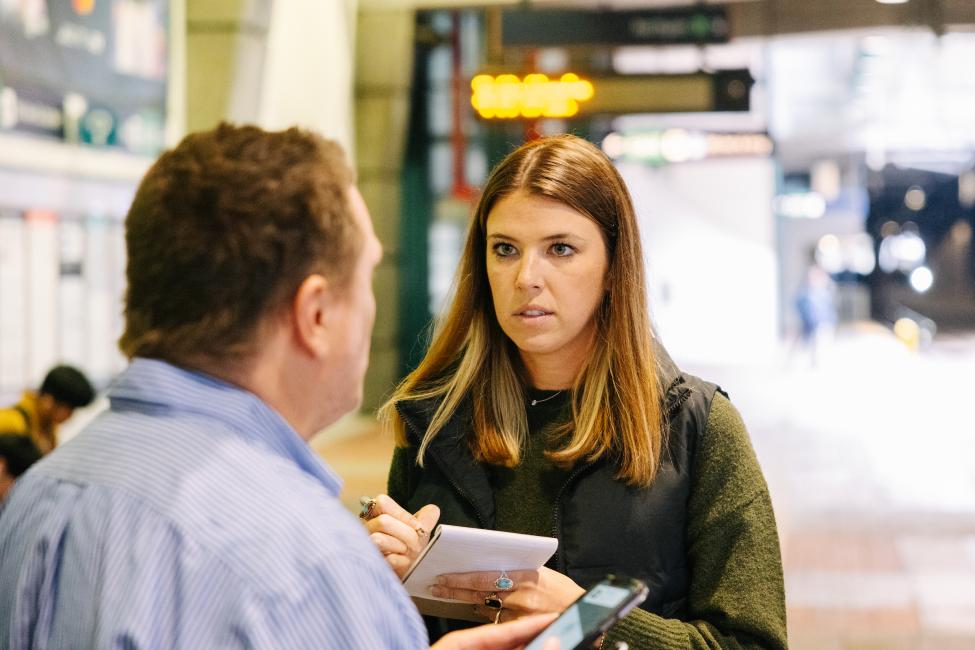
x,y
726,90
506,96
88,71
543,28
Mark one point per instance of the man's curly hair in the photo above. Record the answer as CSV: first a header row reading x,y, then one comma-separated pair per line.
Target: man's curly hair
x,y
222,231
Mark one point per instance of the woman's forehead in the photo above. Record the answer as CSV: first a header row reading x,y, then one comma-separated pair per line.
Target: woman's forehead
x,y
529,211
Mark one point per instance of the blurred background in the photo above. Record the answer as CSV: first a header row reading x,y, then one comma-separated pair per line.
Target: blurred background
x,y
803,172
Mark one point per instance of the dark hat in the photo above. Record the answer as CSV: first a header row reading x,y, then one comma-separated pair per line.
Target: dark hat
x,y
68,386
18,453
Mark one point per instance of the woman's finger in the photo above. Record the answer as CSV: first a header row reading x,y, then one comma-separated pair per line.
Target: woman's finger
x,y
386,505
427,516
399,563
520,601
507,615
386,523
466,595
486,580
388,544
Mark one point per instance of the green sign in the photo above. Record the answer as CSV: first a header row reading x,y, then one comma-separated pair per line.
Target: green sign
x,y
694,25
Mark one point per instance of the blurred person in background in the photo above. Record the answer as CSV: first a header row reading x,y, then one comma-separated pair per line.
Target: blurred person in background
x,y
193,513
545,405
17,454
815,305
40,413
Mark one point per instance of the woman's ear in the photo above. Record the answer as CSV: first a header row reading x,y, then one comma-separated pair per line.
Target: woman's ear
x,y
309,314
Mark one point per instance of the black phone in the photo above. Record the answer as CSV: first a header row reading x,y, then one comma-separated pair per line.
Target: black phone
x,y
583,621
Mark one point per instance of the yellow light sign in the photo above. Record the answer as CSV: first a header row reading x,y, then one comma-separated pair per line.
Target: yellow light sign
x,y
506,96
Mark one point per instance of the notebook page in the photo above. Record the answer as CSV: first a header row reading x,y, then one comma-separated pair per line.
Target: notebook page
x,y
458,549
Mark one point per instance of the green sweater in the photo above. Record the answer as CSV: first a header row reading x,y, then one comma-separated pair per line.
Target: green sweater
x,y
736,580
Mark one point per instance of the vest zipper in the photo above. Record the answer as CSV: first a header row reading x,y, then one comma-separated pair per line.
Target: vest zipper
x,y
453,484
558,507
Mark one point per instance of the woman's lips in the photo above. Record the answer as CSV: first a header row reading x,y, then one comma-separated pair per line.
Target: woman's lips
x,y
532,315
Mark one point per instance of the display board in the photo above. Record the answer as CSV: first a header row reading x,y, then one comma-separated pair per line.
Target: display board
x,y
85,71
61,288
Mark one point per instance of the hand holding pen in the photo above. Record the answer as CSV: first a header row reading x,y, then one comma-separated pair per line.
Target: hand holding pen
x,y
398,535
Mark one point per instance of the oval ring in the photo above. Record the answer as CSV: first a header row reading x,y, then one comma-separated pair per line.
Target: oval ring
x,y
504,583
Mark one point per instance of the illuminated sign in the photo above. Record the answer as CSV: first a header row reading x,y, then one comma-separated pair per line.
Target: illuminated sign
x,y
681,145
83,7
506,96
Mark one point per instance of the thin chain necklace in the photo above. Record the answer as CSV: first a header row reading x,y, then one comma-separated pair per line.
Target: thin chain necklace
x,y
545,399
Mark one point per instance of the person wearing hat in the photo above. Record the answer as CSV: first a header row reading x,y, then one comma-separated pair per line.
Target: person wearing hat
x,y
39,413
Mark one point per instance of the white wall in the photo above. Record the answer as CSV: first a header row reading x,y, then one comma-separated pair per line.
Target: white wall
x,y
709,240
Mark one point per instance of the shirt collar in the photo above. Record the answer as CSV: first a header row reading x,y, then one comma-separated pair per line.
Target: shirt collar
x,y
151,385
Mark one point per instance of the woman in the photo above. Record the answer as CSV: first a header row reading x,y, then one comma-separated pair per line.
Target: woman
x,y
545,406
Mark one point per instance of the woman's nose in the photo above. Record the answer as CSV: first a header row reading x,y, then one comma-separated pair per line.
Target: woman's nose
x,y
529,273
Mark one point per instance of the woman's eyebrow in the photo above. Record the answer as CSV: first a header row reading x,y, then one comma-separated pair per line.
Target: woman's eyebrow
x,y
561,235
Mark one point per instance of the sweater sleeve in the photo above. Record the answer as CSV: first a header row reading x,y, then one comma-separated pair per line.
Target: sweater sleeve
x,y
736,597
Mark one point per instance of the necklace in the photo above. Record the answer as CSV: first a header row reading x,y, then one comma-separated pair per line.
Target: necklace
x,y
545,399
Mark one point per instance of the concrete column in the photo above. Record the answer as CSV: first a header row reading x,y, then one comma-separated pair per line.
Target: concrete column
x,y
324,66
383,64
225,48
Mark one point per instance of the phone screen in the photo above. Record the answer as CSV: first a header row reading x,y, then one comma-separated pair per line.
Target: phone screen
x,y
585,616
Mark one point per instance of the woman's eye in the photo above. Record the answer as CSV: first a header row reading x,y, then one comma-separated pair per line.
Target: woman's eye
x,y
562,250
503,250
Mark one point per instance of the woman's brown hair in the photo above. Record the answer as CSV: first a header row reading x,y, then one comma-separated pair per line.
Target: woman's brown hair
x,y
617,401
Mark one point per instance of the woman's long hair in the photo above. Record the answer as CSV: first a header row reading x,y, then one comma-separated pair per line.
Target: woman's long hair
x,y
617,402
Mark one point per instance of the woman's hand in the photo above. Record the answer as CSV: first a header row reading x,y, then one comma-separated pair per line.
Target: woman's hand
x,y
399,535
534,592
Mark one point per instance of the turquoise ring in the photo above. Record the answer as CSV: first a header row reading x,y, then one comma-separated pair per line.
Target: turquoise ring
x,y
504,583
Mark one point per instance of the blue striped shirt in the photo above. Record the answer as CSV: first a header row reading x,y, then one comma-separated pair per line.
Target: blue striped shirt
x,y
191,515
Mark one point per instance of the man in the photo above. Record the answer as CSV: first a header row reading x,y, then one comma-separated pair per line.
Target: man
x,y
17,453
39,414
193,513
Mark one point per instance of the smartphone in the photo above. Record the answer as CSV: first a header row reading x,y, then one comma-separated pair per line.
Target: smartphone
x,y
583,621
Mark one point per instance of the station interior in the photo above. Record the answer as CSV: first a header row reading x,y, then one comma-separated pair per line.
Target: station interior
x,y
768,145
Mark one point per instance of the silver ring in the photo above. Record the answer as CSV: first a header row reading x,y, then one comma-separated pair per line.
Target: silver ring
x,y
368,506
504,583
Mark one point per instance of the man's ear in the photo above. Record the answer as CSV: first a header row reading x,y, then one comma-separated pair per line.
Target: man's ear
x,y
309,314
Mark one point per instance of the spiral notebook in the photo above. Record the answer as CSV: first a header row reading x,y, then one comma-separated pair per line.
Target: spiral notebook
x,y
458,549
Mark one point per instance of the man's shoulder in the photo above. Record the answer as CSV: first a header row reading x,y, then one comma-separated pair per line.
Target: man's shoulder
x,y
257,513
269,571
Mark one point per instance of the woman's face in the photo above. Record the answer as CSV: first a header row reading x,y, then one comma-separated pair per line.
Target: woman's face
x,y
546,264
